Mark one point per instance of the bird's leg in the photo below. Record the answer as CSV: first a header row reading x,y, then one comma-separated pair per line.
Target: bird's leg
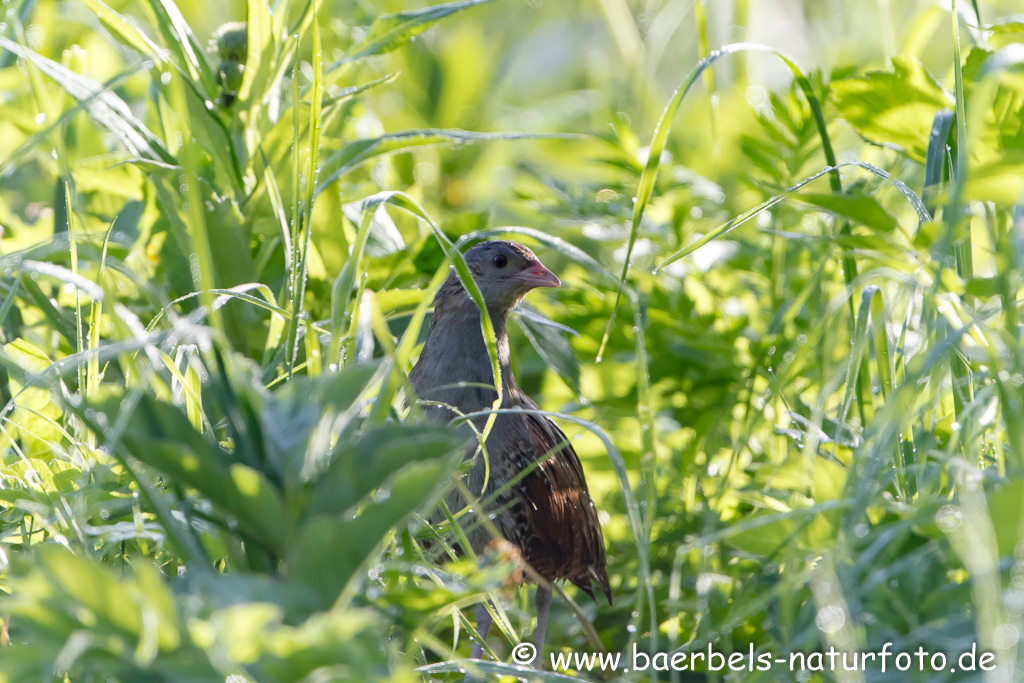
x,y
542,603
483,625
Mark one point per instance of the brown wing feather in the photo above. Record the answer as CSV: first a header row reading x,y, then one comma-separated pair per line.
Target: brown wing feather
x,y
567,542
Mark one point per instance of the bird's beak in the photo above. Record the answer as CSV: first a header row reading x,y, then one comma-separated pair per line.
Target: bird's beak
x,y
536,275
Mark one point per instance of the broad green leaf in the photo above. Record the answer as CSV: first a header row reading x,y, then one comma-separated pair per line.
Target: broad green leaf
x,y
1005,506
237,489
399,300
162,436
57,317
50,476
856,207
222,590
290,414
27,355
331,548
1010,24
1000,181
995,98
985,287
362,465
61,592
894,108
767,539
336,645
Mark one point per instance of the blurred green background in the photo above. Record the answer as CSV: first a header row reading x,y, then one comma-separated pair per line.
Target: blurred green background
x,y
801,420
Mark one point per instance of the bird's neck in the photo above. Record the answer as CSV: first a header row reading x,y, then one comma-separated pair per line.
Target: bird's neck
x,y
455,354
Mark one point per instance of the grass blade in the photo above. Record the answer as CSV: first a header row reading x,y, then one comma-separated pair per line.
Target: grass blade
x,y
935,161
915,201
203,275
391,31
358,152
183,43
124,31
259,53
661,131
102,105
305,233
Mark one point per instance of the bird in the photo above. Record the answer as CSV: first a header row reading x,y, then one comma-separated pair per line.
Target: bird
x,y
548,513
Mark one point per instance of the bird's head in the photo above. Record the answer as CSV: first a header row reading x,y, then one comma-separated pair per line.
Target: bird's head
x,y
505,272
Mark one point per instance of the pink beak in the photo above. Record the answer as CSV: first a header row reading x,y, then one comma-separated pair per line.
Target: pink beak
x,y
536,275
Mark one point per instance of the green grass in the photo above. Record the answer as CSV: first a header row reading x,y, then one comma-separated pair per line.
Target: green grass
x,y
788,352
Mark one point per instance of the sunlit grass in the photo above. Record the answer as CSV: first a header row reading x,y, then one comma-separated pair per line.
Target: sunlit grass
x,y
795,381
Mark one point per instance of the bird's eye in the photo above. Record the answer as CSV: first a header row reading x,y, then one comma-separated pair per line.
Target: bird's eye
x,y
500,260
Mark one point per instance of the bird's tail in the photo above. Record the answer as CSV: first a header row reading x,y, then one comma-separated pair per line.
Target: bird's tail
x,y
593,576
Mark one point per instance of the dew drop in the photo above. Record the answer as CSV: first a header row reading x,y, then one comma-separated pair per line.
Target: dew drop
x,y
830,619
41,118
949,518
